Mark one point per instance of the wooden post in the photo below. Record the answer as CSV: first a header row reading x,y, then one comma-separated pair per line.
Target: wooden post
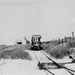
x,y
58,40
73,38
70,41
65,40
62,42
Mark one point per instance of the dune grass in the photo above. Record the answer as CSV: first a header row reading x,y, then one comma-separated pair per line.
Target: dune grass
x,y
18,51
14,52
58,51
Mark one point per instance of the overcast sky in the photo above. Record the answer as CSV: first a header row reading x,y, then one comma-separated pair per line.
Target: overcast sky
x,y
51,19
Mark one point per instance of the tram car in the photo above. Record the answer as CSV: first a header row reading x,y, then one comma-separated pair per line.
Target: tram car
x,y
36,42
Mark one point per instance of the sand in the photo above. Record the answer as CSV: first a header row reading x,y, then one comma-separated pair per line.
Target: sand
x,y
29,67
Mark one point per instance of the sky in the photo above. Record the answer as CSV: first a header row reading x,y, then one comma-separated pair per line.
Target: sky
x,y
50,19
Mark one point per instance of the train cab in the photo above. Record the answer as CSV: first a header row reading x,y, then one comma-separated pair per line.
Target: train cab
x,y
36,42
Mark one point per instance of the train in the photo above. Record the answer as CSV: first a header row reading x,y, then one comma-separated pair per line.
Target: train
x,y
36,43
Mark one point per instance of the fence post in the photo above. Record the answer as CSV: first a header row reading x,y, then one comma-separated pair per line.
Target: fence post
x,y
73,38
59,41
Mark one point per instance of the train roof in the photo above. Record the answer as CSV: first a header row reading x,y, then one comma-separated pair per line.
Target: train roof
x,y
34,36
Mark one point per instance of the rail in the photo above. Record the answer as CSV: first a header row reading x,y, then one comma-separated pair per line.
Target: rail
x,y
60,66
45,69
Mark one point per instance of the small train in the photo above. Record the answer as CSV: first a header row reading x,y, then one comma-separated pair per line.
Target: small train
x,y
36,42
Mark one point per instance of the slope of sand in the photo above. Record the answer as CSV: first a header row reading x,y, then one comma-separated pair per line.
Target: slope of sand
x,y
29,67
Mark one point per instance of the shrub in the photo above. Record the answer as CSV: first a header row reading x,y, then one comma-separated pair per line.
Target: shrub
x,y
28,46
58,51
15,54
48,46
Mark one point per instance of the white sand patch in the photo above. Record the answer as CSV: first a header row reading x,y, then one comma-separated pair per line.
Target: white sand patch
x,y
26,67
29,67
19,67
40,56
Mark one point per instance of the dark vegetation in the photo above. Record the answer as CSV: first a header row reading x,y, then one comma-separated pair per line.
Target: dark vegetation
x,y
52,48
15,52
58,51
2,47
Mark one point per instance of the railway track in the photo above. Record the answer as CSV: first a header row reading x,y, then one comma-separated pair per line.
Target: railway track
x,y
42,67
47,71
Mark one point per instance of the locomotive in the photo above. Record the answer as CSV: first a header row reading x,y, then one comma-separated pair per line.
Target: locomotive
x,y
36,42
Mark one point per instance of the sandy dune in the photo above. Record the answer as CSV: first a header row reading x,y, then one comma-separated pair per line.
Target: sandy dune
x,y
29,67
